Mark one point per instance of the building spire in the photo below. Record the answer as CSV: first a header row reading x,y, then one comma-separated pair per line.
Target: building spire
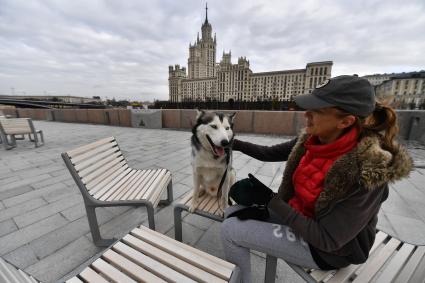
x,y
206,12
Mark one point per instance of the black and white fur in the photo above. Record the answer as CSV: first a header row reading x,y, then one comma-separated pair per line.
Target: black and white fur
x,y
212,137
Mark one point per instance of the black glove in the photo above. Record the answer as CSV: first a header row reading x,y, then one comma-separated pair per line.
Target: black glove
x,y
263,193
260,213
250,191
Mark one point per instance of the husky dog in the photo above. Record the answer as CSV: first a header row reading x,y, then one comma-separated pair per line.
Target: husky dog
x,y
212,156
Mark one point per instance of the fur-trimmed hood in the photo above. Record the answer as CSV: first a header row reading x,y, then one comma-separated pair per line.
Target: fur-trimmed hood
x,y
367,166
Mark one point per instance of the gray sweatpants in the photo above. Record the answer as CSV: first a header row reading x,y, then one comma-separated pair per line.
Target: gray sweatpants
x,y
270,237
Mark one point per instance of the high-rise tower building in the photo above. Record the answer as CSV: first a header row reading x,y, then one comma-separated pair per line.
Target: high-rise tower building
x,y
207,80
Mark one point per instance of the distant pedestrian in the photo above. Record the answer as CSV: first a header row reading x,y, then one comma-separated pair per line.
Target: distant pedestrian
x,y
336,177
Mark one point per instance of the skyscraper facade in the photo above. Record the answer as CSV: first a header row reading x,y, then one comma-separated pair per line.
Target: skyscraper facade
x,y
206,80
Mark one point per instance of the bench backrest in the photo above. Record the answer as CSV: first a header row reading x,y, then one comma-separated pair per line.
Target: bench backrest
x,y
95,164
16,126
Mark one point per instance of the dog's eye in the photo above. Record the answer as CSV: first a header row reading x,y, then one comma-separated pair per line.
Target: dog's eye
x,y
227,128
213,126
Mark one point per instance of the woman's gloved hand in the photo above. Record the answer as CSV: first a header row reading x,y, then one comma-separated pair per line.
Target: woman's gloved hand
x,y
250,191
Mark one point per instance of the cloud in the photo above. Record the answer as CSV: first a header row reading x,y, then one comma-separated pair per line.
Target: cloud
x,y
122,49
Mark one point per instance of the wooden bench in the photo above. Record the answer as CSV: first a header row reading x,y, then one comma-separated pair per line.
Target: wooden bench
x,y
105,179
144,255
208,207
11,274
12,127
390,260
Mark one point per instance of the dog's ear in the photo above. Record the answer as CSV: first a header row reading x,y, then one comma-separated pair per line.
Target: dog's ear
x,y
199,113
232,116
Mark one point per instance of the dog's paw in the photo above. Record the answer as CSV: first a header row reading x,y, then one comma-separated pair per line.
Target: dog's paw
x,y
192,208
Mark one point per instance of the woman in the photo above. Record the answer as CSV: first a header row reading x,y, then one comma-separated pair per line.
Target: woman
x,y
336,177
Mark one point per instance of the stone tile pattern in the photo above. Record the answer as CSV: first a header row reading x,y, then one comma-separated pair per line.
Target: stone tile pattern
x,y
43,224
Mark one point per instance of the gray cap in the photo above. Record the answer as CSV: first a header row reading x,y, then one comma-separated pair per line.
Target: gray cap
x,y
350,93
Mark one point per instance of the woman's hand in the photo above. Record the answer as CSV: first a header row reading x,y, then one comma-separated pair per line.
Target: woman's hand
x,y
250,191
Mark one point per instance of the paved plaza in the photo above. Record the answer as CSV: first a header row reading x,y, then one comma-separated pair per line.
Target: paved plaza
x,y
43,224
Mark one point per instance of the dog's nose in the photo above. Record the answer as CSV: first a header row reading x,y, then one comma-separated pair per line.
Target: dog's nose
x,y
224,143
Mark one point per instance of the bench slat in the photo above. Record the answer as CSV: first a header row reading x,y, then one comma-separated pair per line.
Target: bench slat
x,y
130,267
153,185
74,280
184,253
372,267
397,262
187,197
204,202
345,273
210,204
94,159
90,275
95,175
130,189
411,265
419,274
111,272
220,261
141,186
170,260
107,176
120,185
111,184
156,267
146,185
100,165
117,185
156,197
93,152
111,180
126,187
82,149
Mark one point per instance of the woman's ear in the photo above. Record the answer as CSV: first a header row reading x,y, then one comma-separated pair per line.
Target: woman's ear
x,y
347,122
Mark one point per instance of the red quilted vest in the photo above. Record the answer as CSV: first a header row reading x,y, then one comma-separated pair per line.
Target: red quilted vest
x,y
309,177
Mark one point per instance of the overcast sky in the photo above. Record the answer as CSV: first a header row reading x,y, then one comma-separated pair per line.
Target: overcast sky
x,y
122,49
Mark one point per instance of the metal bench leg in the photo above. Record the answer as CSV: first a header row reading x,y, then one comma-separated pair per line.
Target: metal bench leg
x,y
94,228
169,195
178,223
6,143
271,263
151,215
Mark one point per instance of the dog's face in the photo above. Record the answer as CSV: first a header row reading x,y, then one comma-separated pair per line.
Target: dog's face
x,y
214,131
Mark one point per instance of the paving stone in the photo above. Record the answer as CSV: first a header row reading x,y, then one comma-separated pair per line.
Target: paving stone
x,y
24,182
52,180
58,264
74,212
164,219
33,194
408,229
198,221
21,208
7,227
67,192
21,257
15,192
1,205
23,236
190,234
45,211
120,225
55,240
8,180
210,241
